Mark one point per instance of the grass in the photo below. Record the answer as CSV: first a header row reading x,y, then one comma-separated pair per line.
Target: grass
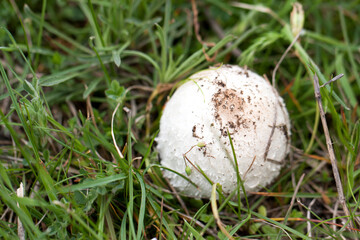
x,y
66,65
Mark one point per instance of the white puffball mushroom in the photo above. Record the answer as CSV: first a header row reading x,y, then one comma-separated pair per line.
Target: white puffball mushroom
x,y
194,131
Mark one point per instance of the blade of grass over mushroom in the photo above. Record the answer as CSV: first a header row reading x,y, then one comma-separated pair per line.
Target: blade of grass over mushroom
x,y
239,181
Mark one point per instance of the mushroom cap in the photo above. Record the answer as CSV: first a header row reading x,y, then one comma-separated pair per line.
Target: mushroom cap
x,y
203,110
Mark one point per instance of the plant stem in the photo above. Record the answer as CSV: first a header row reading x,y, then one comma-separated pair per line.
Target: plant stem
x,y
330,148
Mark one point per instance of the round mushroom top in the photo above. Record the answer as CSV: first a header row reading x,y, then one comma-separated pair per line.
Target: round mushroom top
x,y
196,124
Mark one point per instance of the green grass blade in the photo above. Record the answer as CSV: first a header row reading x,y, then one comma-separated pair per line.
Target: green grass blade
x,y
53,30
142,208
91,183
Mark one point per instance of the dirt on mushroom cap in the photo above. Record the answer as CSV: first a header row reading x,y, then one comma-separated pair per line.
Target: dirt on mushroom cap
x,y
214,102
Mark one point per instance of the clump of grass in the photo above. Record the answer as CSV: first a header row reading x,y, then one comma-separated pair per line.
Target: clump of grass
x,y
66,66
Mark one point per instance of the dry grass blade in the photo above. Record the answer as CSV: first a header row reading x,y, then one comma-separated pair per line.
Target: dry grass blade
x,y
308,215
333,79
279,219
283,56
259,8
21,230
216,213
330,148
294,196
112,131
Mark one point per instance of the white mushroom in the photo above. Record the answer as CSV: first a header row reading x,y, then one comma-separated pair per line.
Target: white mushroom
x,y
195,124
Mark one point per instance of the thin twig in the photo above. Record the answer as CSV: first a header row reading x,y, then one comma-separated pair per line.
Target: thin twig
x,y
186,159
41,219
294,197
182,203
308,215
335,169
283,56
336,206
90,112
273,84
267,148
21,229
248,170
333,79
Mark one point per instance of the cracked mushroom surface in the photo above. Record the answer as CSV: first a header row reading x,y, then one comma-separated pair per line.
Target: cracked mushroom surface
x,y
199,116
